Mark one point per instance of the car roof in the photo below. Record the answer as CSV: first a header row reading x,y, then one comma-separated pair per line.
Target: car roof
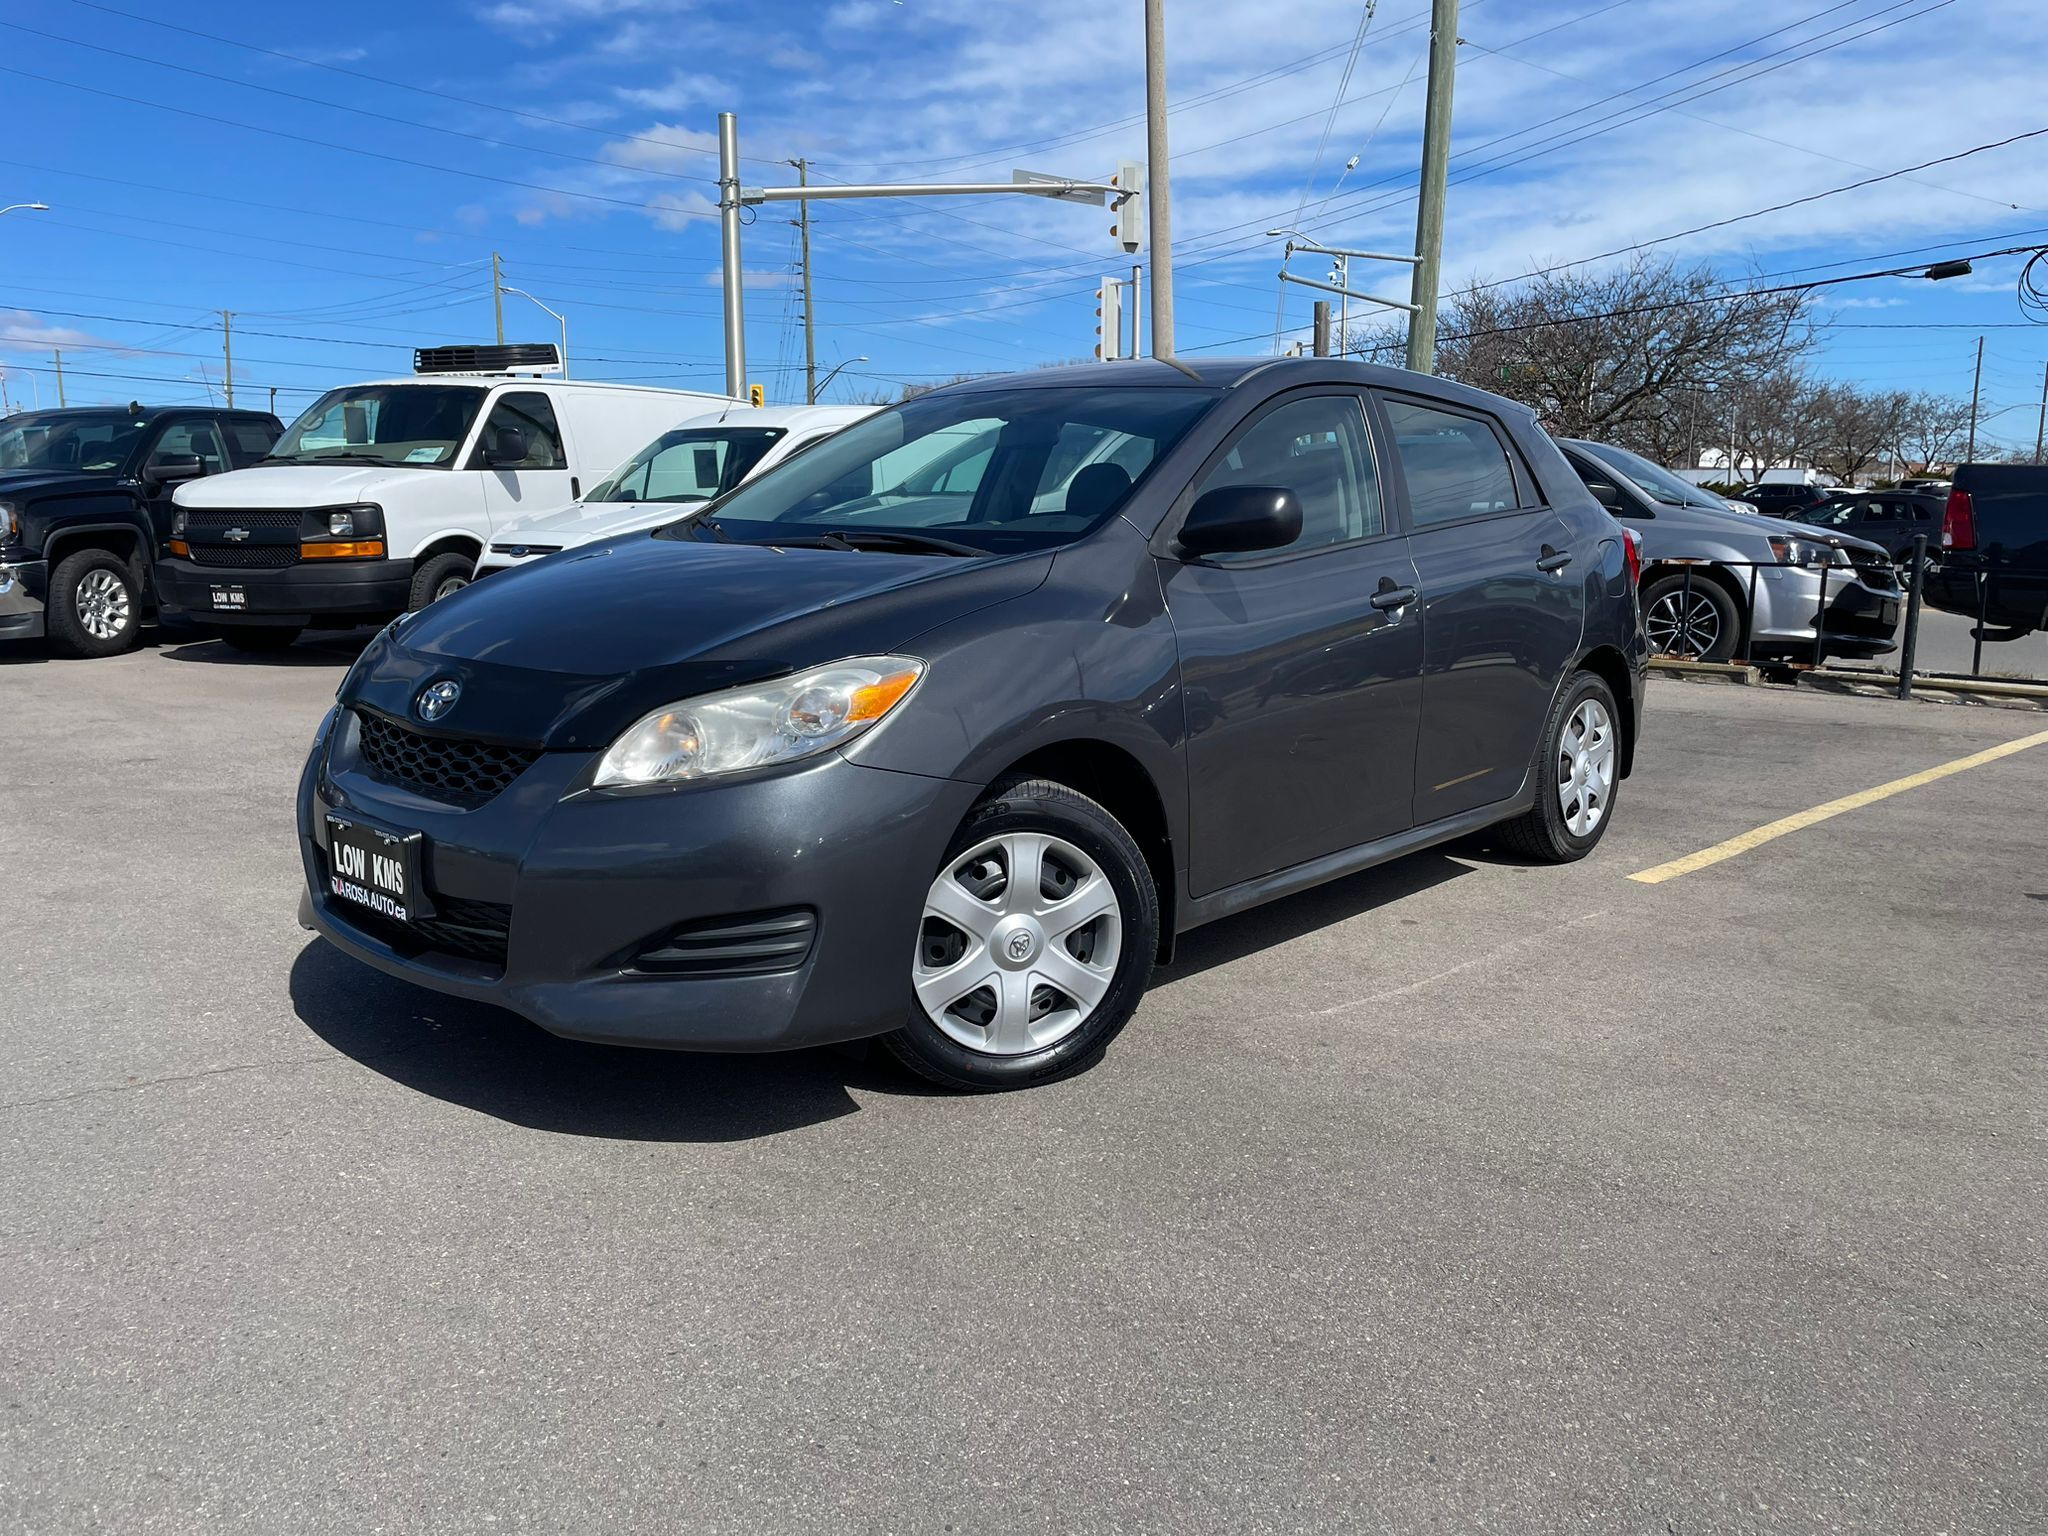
x,y
740,414
1270,374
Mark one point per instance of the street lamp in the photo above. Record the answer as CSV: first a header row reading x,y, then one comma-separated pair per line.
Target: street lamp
x,y
559,317
835,372
37,207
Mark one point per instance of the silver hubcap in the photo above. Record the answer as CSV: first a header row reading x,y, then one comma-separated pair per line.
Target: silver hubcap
x,y
1019,944
448,584
102,603
1585,767
1670,634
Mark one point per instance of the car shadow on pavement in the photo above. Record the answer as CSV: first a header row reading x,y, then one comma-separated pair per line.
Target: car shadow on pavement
x,y
496,1063
321,651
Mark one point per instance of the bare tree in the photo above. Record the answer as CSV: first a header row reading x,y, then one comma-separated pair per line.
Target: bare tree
x,y
1933,431
1855,428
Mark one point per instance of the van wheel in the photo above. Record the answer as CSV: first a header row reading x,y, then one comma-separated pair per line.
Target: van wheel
x,y
1702,626
1034,945
434,579
95,605
261,639
1578,770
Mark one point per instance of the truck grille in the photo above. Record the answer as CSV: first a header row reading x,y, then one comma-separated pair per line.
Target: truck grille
x,y
233,517
245,557
462,773
274,532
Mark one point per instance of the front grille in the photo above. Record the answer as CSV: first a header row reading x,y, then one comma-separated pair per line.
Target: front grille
x,y
232,517
464,773
1878,574
470,930
245,557
756,944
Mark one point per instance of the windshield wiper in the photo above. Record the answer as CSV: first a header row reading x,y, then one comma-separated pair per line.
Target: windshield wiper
x,y
340,458
895,538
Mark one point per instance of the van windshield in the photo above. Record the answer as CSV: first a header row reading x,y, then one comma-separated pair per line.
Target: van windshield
x,y
977,472
689,464
419,426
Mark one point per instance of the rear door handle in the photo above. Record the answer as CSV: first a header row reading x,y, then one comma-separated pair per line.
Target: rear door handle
x,y
1552,560
1391,596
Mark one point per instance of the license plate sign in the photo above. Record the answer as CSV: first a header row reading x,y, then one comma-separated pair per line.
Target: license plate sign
x,y
229,599
376,869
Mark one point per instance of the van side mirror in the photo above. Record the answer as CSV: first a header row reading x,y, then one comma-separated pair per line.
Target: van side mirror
x,y
1237,519
506,448
174,467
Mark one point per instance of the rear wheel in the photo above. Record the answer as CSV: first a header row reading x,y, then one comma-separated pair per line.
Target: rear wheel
x,y
95,605
1035,942
1696,625
435,579
1578,770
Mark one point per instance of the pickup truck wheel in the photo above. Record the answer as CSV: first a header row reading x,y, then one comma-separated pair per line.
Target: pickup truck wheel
x,y
95,606
261,639
434,579
1700,626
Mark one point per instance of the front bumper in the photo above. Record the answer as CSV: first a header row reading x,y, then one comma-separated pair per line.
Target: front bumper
x,y
586,884
349,591
1859,619
24,584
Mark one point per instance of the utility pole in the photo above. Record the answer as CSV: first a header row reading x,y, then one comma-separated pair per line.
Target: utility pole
x,y
58,354
1976,391
729,249
1156,175
803,226
498,294
2041,426
1436,159
1322,327
273,399
227,355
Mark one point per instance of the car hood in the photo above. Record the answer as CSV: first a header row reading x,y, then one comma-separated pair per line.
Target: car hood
x,y
1673,519
584,522
297,485
568,651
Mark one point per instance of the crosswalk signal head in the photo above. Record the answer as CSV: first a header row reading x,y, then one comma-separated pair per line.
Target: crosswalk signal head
x,y
757,393
1129,229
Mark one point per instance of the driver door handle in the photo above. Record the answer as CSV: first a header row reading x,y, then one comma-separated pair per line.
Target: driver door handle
x,y
1390,596
1552,560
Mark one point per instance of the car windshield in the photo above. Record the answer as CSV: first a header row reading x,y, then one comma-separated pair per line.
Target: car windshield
x,y
689,464
1654,478
418,425
1829,514
83,442
978,471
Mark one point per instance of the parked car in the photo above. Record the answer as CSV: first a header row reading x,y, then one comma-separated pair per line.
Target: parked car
x,y
1793,499
952,764
1994,549
85,503
382,496
682,469
1888,518
1715,582
1667,484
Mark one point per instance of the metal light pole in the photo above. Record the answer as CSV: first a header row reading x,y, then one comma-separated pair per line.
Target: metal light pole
x,y
1436,159
16,207
560,319
803,227
826,382
2041,426
729,253
1157,173
498,294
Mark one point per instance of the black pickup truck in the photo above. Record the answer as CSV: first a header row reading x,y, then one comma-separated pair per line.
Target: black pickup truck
x,y
85,505
1994,549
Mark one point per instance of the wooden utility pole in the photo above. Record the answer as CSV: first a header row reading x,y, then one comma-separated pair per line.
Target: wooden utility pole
x,y
2041,426
1976,391
57,353
227,355
1157,175
1436,160
803,227
498,294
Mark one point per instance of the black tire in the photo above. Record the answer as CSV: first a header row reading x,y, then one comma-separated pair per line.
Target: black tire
x,y
1542,834
1710,604
261,639
1038,805
436,578
95,605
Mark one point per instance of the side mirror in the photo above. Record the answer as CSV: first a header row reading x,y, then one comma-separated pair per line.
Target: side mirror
x,y
172,468
507,448
1608,495
1236,519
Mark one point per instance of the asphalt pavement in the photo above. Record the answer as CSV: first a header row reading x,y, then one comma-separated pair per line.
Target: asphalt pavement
x,y
1458,1196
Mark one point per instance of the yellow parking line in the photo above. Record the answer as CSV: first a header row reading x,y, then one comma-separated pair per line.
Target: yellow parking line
x,y
1776,829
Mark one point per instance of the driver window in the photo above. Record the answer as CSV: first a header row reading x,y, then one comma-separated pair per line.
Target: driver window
x,y
1317,449
190,439
533,414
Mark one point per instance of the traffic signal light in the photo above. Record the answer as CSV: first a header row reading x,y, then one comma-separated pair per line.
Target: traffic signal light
x,y
1109,319
1129,228
758,393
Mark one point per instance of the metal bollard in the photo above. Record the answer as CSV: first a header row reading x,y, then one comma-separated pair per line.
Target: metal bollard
x,y
1749,628
1820,619
1977,650
1685,616
1911,640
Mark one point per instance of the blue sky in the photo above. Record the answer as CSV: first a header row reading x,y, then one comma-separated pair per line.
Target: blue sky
x,y
340,182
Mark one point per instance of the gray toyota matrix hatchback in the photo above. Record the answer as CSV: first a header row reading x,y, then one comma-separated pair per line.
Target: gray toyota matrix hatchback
x,y
942,730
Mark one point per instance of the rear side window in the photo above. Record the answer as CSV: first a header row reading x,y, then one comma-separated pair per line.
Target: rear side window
x,y
249,441
1456,465
533,414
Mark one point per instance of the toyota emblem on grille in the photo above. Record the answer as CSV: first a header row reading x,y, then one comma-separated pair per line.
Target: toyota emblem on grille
x,y
236,535
437,698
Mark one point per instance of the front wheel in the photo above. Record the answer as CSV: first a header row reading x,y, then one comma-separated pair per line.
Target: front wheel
x,y
1034,945
1699,624
95,604
439,577
1578,770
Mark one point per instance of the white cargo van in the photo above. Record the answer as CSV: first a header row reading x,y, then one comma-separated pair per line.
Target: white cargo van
x,y
383,496
683,468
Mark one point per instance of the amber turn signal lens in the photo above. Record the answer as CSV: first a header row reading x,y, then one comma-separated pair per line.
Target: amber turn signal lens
x,y
181,549
874,700
343,549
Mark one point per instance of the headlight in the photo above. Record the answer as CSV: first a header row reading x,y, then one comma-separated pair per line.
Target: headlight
x,y
1789,551
178,522
341,525
10,523
778,722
